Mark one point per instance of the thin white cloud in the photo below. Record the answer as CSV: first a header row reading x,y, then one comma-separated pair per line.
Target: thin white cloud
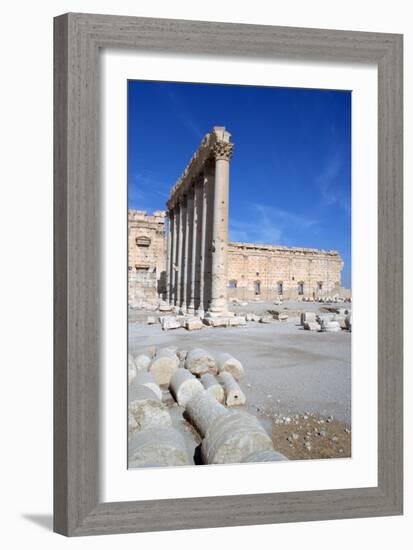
x,y
327,183
268,225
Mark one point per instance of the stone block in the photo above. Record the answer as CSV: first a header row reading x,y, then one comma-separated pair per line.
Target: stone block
x,y
193,324
266,319
312,325
169,323
330,326
199,362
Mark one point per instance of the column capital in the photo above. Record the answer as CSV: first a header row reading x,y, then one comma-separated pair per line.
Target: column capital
x,y
222,150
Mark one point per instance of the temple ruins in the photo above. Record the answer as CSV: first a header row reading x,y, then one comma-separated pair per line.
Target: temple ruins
x,y
184,256
197,240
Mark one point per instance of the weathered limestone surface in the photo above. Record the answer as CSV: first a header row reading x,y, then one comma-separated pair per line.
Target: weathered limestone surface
x,y
330,326
145,409
142,361
307,317
233,437
184,386
199,200
145,378
198,361
213,387
265,456
312,325
268,272
228,363
194,267
233,394
203,410
146,255
163,365
132,370
160,446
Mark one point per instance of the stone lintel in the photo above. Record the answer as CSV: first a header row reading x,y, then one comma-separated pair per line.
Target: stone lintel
x,y
195,166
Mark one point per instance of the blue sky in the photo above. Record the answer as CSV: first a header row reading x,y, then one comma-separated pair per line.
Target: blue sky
x,y
290,175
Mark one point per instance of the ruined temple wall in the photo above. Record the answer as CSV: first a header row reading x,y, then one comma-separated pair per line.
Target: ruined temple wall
x,y
248,264
146,255
259,270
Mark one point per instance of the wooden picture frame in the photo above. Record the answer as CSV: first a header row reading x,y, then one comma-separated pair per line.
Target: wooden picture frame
x,y
78,39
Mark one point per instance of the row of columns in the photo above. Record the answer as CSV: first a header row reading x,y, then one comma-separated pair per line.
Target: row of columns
x,y
197,238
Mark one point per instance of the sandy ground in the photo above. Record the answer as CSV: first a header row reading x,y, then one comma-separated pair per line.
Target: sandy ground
x,y
296,381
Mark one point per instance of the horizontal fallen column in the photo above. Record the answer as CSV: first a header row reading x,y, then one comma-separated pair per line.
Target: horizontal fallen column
x,y
265,456
160,446
228,363
184,386
145,378
198,361
203,410
213,387
233,437
163,365
233,394
145,409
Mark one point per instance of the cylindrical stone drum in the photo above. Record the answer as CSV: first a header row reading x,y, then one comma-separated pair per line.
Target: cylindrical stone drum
x,y
199,362
265,456
213,387
163,365
184,386
233,394
203,410
145,378
233,437
227,363
145,409
142,361
161,446
132,371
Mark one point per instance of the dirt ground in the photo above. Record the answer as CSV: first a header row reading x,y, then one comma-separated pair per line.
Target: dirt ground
x,y
297,382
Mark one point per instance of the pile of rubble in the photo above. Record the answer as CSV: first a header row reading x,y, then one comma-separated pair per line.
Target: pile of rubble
x,y
327,322
207,389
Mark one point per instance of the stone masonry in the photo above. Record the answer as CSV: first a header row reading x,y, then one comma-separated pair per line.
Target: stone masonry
x,y
184,255
260,271
197,249
146,255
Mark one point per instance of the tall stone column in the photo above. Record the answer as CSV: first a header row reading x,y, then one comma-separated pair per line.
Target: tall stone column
x,y
222,152
168,257
181,233
204,245
189,204
194,232
199,185
175,215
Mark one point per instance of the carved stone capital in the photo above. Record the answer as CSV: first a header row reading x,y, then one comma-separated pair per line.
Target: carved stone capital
x,y
222,150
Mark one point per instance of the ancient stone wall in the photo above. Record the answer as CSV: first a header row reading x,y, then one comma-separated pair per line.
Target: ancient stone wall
x,y
146,255
267,272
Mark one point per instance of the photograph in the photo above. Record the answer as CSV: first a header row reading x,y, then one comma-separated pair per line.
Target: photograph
x,y
238,274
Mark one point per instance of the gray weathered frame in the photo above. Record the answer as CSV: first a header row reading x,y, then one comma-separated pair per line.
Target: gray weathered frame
x,y
78,39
